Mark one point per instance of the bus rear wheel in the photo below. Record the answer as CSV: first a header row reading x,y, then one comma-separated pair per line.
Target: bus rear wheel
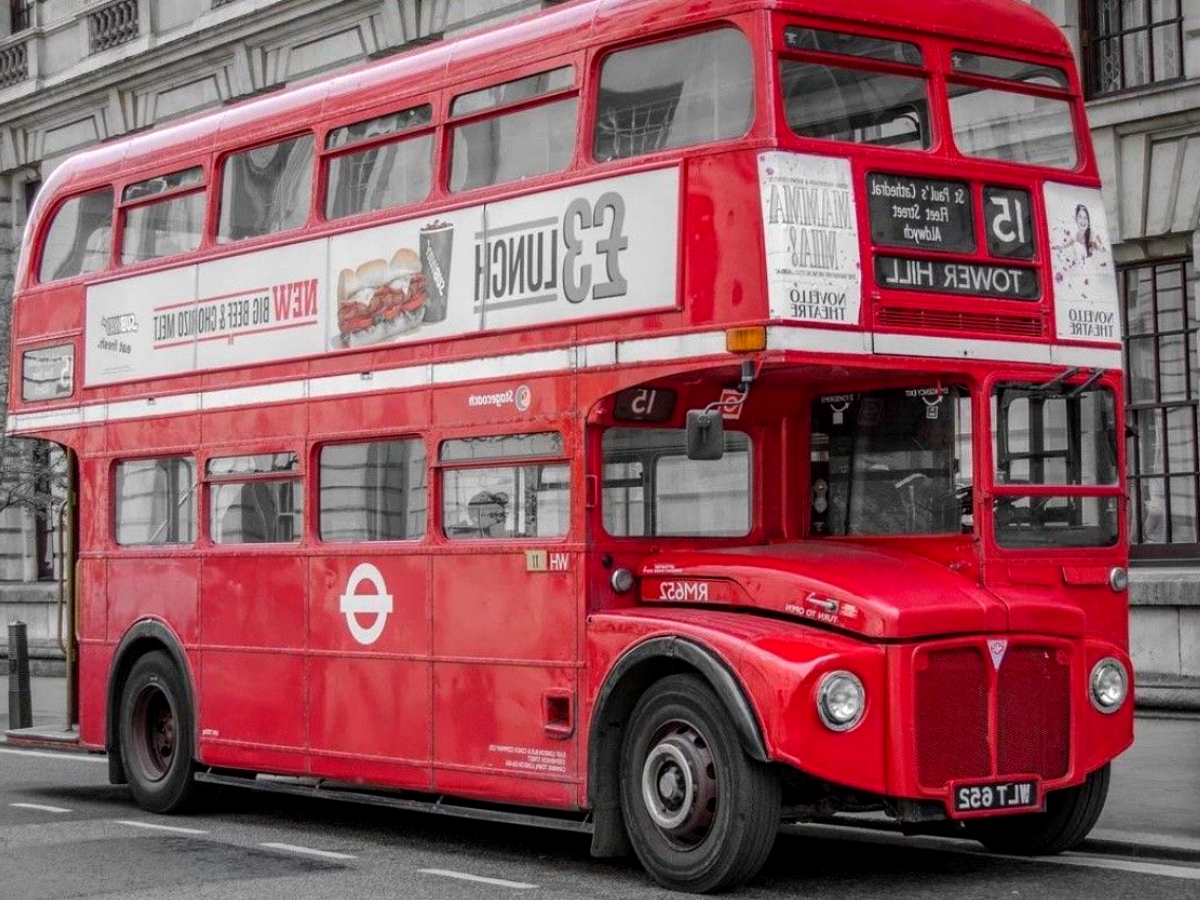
x,y
1070,815
155,733
701,815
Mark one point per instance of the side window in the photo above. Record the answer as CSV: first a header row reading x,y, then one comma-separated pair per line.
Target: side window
x,y
167,226
78,239
266,189
373,492
513,145
382,175
510,498
652,488
155,501
678,93
255,499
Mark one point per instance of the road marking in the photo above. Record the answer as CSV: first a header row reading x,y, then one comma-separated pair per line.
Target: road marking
x,y
464,876
308,851
43,754
1121,865
154,826
40,808
970,848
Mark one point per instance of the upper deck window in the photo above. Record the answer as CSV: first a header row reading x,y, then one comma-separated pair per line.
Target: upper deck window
x,y
1011,124
679,93
529,141
815,39
79,237
847,103
1018,70
384,174
163,227
266,189
515,91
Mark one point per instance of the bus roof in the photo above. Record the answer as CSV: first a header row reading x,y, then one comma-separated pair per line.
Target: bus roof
x,y
1011,23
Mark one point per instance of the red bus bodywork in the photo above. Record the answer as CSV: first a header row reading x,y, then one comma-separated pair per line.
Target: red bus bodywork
x,y
506,667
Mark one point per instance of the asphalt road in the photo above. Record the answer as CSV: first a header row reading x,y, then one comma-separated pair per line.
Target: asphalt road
x,y
65,832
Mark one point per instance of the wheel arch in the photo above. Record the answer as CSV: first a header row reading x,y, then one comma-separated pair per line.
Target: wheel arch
x,y
142,637
627,680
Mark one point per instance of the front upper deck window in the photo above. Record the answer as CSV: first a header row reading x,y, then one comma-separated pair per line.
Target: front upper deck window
x,y
891,462
266,189
1013,125
854,102
78,239
678,93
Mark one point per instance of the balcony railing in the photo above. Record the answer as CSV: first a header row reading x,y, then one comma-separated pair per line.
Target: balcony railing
x,y
14,65
113,25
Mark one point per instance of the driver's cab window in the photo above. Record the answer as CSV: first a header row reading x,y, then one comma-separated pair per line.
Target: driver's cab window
x,y
891,462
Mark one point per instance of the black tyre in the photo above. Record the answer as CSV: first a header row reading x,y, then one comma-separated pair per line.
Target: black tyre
x,y
1070,814
701,815
156,736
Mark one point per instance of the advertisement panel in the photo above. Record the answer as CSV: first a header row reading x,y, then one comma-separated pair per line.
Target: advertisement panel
x,y
810,228
1081,262
598,249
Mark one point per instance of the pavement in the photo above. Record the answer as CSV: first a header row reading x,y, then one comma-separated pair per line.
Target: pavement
x,y
65,832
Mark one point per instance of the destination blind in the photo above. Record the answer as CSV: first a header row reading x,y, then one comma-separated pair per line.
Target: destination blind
x,y
921,213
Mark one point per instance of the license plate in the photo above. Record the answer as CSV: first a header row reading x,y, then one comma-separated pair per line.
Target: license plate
x,y
997,796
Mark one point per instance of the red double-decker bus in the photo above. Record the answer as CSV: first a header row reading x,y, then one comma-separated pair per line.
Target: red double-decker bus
x,y
669,418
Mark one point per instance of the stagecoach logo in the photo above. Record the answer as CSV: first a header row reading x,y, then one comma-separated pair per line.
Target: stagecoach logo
x,y
997,649
520,398
378,604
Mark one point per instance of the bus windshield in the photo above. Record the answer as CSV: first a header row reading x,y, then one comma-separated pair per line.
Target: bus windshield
x,y
891,462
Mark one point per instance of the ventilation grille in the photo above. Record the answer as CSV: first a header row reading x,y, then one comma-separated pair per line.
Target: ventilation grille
x,y
950,320
958,692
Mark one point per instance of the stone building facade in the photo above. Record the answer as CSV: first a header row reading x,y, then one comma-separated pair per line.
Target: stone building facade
x,y
76,72
1141,66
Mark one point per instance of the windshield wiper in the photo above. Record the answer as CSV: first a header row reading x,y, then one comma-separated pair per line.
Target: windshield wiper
x,y
1056,382
1092,379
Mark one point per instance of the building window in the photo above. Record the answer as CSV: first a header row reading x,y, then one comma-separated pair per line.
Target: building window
x,y
1163,386
1131,43
21,12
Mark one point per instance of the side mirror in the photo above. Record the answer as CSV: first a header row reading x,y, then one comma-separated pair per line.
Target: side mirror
x,y
705,434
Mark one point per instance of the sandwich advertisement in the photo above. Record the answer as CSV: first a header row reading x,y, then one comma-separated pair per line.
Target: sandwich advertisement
x,y
586,251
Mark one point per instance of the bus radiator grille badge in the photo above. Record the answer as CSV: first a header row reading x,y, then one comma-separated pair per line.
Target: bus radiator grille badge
x,y
997,649
353,604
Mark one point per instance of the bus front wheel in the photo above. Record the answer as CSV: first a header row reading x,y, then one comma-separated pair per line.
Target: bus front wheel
x,y
1070,814
701,815
156,735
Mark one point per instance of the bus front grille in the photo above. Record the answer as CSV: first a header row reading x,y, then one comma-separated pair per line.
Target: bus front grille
x,y
952,716
960,691
1034,712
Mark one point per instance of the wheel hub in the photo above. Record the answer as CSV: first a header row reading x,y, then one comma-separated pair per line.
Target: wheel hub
x,y
679,785
154,732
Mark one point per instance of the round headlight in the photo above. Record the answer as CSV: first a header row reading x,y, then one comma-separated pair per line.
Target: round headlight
x,y
1109,684
1118,579
841,701
622,581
